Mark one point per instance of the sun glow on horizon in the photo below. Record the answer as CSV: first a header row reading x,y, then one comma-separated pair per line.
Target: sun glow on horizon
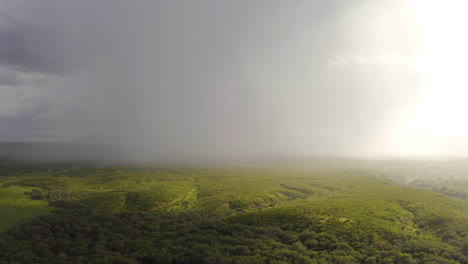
x,y
437,123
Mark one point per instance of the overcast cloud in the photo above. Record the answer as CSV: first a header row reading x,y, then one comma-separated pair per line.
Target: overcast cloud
x,y
206,78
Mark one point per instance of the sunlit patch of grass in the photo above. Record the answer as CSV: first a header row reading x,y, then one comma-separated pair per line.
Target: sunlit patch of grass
x,y
15,206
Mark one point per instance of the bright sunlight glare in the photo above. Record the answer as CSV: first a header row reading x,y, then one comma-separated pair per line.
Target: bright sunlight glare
x,y
437,123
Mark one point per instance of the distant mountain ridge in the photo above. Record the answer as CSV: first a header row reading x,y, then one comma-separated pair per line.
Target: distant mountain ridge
x,y
58,151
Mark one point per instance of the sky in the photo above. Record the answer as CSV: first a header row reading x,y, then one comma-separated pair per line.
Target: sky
x,y
243,78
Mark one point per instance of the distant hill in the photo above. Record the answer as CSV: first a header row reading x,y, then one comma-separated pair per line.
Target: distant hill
x,y
58,151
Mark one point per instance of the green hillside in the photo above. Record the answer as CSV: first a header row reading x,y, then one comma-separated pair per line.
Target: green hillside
x,y
243,214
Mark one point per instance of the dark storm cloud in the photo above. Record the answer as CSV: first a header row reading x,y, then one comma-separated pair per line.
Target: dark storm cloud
x,y
204,78
28,47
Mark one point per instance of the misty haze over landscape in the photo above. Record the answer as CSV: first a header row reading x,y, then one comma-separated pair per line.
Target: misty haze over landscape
x,y
233,131
225,79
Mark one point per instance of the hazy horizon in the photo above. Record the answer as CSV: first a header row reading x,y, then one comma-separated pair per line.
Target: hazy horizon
x,y
236,79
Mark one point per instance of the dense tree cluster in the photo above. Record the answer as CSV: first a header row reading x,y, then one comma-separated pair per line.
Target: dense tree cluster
x,y
49,193
75,233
